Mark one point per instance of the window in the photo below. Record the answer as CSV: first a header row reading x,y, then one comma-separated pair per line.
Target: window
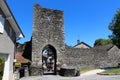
x,y
1,24
10,33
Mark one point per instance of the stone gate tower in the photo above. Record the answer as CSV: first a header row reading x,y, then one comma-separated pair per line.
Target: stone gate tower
x,y
48,33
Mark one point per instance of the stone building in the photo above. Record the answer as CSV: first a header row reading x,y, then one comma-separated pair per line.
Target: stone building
x,y
49,51
82,45
9,33
48,34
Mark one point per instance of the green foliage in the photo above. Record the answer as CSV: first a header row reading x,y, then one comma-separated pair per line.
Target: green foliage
x,y
2,61
101,42
0,77
83,70
115,28
113,71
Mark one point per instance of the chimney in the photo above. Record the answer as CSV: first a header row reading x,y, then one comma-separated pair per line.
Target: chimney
x,y
78,41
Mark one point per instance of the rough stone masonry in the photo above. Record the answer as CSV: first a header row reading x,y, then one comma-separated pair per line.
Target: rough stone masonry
x,y
48,30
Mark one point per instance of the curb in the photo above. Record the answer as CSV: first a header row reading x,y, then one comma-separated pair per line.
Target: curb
x,y
107,74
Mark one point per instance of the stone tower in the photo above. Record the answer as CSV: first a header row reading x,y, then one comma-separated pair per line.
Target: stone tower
x,y
48,33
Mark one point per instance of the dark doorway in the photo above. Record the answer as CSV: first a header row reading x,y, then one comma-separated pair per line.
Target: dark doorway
x,y
49,60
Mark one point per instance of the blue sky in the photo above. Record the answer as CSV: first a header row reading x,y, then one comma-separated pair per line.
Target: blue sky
x,y
86,20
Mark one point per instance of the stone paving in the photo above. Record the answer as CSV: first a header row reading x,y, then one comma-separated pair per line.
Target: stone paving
x,y
91,75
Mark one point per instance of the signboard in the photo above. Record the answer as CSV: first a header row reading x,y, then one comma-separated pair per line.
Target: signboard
x,y
2,21
17,64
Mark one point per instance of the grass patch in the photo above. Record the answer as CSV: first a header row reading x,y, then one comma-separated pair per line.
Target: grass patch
x,y
112,71
36,75
83,70
0,77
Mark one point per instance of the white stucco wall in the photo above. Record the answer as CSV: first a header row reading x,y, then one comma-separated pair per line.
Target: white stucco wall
x,y
7,51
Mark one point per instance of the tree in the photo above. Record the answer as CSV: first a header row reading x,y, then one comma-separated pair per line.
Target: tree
x,y
101,42
115,28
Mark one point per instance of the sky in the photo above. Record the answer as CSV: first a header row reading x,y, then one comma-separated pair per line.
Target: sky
x,y
86,20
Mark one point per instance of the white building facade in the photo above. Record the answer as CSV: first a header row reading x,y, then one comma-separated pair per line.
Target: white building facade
x,y
9,33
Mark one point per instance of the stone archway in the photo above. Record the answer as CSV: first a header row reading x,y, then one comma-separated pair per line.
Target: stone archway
x,y
47,32
49,60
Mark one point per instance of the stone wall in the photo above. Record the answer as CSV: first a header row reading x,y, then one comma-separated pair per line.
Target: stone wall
x,y
114,56
75,57
25,49
48,29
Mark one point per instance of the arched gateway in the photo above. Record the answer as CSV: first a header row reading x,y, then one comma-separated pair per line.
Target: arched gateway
x,y
47,39
49,60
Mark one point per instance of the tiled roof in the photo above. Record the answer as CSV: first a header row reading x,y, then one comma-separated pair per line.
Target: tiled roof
x,y
20,58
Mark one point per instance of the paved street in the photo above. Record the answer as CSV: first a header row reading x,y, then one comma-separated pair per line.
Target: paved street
x,y
91,75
